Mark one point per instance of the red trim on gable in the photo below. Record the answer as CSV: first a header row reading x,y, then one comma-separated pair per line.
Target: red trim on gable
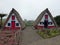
x,y
9,28
51,26
41,27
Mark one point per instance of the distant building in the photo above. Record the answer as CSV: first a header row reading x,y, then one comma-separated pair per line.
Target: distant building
x,y
14,21
45,20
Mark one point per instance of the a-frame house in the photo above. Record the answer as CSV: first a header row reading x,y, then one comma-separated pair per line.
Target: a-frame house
x,y
45,20
14,21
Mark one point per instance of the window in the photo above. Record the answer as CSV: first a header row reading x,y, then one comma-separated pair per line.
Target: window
x,y
9,24
50,23
13,17
41,22
17,24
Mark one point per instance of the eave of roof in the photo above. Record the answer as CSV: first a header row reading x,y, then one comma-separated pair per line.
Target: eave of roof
x,y
2,15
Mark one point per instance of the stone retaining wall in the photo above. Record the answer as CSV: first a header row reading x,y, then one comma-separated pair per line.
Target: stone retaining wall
x,y
10,37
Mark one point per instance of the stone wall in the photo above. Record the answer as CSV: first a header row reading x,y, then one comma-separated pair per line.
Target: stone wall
x,y
10,37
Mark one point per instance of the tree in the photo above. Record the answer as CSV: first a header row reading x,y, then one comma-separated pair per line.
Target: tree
x,y
57,19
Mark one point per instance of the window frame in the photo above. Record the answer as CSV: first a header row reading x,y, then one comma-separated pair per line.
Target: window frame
x,y
17,24
9,24
41,22
50,23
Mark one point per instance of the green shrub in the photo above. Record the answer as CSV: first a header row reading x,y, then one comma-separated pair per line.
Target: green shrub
x,y
49,33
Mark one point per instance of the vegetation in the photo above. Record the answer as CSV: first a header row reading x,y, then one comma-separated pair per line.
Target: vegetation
x,y
57,19
28,22
3,21
49,33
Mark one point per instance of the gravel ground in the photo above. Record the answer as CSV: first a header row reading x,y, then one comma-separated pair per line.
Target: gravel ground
x,y
29,36
51,41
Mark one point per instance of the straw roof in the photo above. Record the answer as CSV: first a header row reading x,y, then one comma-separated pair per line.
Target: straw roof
x,y
2,15
41,15
17,16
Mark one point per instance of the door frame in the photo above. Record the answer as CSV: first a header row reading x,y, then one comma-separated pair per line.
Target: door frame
x,y
12,24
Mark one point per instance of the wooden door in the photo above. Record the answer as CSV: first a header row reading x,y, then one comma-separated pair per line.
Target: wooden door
x,y
13,24
46,24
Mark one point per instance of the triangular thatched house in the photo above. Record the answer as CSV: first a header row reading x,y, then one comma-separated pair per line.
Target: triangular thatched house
x,y
45,20
14,21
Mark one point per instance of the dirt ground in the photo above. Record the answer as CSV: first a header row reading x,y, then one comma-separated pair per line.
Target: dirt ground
x,y
51,41
30,37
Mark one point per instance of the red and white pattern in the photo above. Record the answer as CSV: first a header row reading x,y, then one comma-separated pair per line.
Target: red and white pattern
x,y
48,18
13,23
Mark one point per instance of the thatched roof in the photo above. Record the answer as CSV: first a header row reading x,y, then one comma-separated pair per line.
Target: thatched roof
x,y
41,15
2,15
17,16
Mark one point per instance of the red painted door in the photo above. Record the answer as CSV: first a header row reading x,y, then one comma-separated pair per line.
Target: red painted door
x,y
13,24
46,21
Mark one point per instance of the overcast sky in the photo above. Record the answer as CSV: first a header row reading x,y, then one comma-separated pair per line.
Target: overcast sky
x,y
30,9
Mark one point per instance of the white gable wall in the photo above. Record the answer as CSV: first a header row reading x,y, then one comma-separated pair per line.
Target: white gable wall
x,y
43,18
16,21
9,21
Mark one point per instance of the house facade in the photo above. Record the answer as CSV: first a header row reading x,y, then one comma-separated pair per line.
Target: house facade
x,y
45,20
14,21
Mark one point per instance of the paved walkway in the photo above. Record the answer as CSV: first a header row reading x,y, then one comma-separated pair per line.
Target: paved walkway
x,y
51,41
29,36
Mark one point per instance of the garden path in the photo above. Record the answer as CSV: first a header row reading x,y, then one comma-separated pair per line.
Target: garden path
x,y
29,36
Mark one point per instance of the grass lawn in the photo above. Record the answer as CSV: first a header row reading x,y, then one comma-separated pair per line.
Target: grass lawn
x,y
49,33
